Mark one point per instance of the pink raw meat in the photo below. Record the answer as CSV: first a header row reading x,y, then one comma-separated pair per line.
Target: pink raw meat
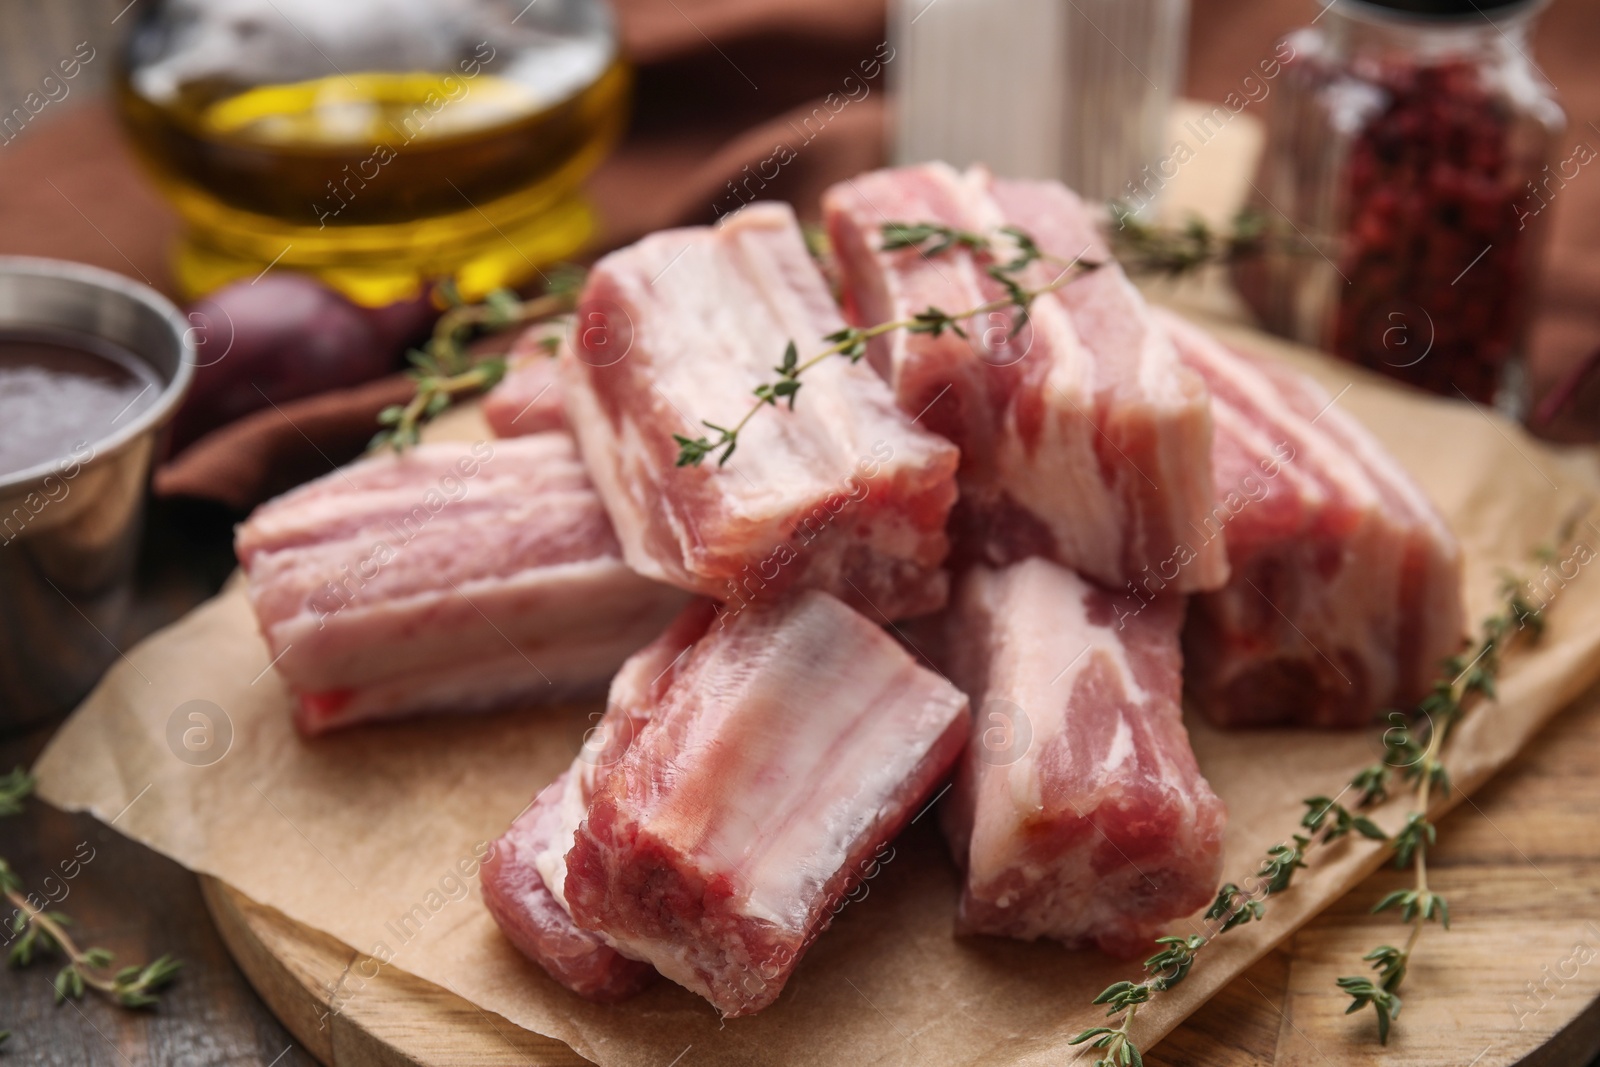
x,y
524,877
534,920
452,577
1078,812
943,379
787,747
1083,438
843,494
528,399
1346,587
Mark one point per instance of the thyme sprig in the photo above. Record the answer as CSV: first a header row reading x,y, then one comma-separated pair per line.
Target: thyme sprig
x,y
1417,743
1145,248
444,369
1234,906
930,239
1464,683
35,932
15,787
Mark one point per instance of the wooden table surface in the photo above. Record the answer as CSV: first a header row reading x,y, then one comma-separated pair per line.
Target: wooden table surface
x,y
131,900
127,898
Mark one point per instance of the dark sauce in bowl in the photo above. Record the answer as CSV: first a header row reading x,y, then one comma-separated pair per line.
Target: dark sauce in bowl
x,y
60,391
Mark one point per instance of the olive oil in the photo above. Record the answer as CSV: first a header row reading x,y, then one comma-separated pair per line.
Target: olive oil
x,y
377,182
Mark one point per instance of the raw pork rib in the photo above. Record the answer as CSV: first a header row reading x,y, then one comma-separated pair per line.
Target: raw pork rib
x,y
1083,438
843,494
453,577
534,919
1078,811
788,747
1346,588
524,877
528,398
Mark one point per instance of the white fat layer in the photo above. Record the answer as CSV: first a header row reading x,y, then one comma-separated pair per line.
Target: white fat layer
x,y
1063,467
551,861
1384,469
1257,441
1121,745
1160,377
1316,449
543,607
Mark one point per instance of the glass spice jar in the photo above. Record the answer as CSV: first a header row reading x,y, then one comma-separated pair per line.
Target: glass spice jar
x,y
1403,148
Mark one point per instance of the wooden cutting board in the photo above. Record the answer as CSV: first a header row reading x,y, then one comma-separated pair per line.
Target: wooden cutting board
x,y
1516,981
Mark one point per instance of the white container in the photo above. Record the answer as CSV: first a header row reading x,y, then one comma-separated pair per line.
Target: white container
x,y
1078,90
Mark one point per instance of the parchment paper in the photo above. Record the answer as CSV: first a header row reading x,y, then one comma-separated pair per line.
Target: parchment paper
x,y
365,834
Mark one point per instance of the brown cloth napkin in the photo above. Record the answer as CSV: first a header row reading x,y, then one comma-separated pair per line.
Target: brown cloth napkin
x,y
722,84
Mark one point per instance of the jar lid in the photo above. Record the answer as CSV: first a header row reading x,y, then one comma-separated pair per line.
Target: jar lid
x,y
1443,9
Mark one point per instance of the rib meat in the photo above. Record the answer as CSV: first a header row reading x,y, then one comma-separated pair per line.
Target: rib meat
x,y
789,745
1082,436
528,398
1346,587
843,493
452,577
524,877
1078,812
533,917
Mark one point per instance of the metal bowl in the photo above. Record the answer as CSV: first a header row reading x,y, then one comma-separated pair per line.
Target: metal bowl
x,y
69,529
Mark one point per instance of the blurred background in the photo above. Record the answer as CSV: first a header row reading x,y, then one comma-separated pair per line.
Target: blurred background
x,y
720,90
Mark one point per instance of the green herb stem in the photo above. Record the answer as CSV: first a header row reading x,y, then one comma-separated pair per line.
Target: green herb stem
x,y
38,932
1461,684
445,370
1144,248
1465,684
851,342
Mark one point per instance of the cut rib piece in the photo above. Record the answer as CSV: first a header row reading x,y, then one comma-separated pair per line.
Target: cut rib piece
x,y
1346,588
533,918
452,577
1078,813
1083,438
528,398
942,377
785,750
524,879
844,493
